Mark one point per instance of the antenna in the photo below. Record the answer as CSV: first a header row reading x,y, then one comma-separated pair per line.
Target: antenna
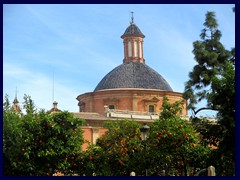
x,y
16,93
53,88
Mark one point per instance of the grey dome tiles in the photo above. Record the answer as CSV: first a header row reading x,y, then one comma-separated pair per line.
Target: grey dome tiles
x,y
133,75
133,29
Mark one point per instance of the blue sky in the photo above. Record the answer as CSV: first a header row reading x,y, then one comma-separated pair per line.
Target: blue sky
x,y
80,44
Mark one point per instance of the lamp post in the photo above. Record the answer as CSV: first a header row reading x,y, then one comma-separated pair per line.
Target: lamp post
x,y
144,134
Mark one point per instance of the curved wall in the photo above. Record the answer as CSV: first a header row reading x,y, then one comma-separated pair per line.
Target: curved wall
x,y
127,99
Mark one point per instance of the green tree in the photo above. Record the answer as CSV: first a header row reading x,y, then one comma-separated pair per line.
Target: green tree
x,y
173,142
94,161
174,145
12,138
211,57
170,110
224,157
45,142
213,79
122,147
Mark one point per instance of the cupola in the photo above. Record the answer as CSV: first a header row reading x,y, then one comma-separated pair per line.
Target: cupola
x,y
133,43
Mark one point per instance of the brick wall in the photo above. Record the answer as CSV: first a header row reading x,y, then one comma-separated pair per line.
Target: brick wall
x,y
128,99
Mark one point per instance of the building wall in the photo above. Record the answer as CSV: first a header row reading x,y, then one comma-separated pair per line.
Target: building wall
x,y
90,135
87,135
128,99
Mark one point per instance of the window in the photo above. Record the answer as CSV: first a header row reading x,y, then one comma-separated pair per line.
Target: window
x,y
82,106
151,109
111,107
129,49
135,49
140,49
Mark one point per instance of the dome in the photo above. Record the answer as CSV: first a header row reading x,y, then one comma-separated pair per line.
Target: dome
x,y
133,75
132,29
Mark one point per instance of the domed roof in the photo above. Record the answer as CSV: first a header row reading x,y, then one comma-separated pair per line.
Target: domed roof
x,y
132,29
133,75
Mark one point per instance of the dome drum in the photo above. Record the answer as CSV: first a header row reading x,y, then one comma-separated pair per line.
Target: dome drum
x,y
129,99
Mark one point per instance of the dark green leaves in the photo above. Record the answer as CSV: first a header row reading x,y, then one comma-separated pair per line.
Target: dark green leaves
x,y
38,143
211,57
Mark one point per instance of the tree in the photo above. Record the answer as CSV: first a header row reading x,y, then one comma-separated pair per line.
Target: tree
x,y
174,143
224,87
12,134
94,161
44,142
211,57
170,110
213,79
122,147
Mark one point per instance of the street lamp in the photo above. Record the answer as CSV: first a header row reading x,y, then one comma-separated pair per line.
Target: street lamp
x,y
144,134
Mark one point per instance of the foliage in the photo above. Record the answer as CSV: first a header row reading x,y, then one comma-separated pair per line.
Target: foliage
x,y
213,79
94,161
211,57
44,142
223,133
174,144
170,110
121,145
224,87
209,133
12,136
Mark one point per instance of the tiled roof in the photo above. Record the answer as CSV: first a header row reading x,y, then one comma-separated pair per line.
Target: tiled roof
x,y
132,29
133,75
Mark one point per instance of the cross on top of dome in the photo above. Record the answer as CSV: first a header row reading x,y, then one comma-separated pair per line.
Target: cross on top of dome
x,y
132,18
